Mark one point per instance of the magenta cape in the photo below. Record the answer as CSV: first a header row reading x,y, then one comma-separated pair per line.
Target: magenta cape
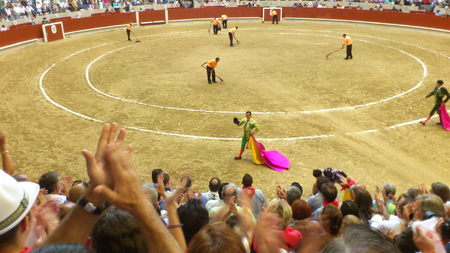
x,y
444,118
273,159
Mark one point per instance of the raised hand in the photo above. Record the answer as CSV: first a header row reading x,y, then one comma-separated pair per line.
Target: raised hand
x,y
41,196
124,190
96,164
160,186
422,241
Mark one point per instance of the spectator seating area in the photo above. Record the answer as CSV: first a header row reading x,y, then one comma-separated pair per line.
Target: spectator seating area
x,y
114,211
32,11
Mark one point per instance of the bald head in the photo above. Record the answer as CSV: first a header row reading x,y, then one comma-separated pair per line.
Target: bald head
x,y
76,191
360,186
22,178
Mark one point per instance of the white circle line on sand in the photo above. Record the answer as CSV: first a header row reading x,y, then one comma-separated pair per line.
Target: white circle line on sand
x,y
234,112
194,136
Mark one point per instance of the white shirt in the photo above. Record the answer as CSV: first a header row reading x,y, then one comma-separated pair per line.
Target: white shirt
x,y
393,223
60,199
17,9
4,29
213,203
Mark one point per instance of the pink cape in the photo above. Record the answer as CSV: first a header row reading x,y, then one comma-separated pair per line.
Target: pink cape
x,y
444,118
273,159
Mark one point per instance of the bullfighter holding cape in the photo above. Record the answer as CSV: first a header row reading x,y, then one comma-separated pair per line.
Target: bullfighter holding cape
x,y
273,158
439,105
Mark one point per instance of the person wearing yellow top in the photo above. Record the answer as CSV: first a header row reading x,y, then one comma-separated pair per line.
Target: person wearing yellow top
x,y
274,16
129,30
215,25
224,20
210,69
251,127
231,35
348,42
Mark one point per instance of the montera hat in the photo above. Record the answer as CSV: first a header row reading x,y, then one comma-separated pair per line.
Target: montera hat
x,y
17,199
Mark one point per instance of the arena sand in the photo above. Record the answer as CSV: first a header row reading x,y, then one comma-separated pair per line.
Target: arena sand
x,y
280,69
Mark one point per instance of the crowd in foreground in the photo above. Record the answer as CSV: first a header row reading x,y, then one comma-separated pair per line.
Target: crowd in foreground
x,y
115,212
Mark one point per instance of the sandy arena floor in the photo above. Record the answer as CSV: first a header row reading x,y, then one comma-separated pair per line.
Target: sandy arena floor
x,y
279,72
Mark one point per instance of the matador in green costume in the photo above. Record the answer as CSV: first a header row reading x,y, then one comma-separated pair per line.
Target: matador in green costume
x,y
251,127
439,92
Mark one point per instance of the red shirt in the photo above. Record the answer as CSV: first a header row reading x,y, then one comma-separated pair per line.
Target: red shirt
x,y
26,250
326,203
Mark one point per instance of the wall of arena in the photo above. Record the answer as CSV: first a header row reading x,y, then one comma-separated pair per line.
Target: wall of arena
x,y
25,33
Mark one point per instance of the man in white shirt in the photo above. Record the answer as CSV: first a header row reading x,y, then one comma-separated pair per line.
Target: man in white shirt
x,y
383,222
16,11
211,198
50,181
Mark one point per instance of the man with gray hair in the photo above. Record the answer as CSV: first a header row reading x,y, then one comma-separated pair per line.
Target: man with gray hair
x,y
230,197
292,194
150,193
427,206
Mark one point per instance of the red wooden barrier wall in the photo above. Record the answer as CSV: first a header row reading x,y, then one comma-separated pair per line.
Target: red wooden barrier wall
x,y
20,34
370,16
152,16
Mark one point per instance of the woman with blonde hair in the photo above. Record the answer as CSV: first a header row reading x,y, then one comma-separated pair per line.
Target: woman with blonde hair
x,y
289,238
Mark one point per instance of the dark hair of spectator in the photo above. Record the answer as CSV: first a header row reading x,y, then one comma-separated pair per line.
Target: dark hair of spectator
x,y
220,189
166,177
329,192
406,200
364,202
117,231
62,247
320,181
247,180
233,220
247,111
155,174
412,192
361,239
49,181
440,82
193,216
214,184
441,190
317,173
331,219
216,239
301,210
349,207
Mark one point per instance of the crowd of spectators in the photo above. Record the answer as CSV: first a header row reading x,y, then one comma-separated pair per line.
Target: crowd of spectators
x,y
115,212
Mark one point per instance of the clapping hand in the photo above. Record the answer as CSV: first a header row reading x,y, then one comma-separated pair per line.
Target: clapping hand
x,y
96,165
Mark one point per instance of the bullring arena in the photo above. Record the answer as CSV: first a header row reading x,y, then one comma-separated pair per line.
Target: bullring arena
x,y
360,116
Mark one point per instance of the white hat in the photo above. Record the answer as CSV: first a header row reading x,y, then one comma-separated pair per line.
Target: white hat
x,y
16,200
